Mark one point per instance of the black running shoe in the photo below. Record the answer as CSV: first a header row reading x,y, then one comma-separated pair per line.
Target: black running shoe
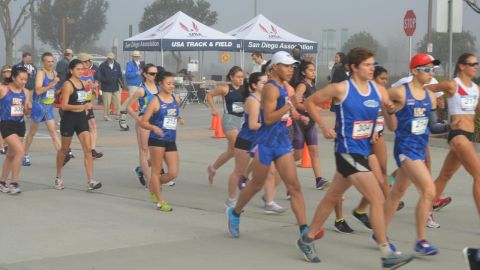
x,y
66,158
401,205
70,154
472,258
141,178
342,227
96,154
362,218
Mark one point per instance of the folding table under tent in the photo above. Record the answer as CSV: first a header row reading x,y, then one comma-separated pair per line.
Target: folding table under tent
x,y
262,35
181,33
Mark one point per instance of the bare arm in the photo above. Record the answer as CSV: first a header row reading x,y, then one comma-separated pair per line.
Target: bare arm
x,y
138,94
153,106
449,87
269,101
388,108
253,109
39,89
217,91
28,102
298,96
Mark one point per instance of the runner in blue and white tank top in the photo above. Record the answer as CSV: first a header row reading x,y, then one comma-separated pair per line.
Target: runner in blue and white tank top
x,y
161,118
144,94
413,103
232,118
43,109
14,104
273,145
357,103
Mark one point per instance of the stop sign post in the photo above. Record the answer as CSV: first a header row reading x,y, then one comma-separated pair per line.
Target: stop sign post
x,y
409,26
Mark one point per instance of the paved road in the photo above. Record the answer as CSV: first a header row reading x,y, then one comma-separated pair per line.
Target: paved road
x,y
118,228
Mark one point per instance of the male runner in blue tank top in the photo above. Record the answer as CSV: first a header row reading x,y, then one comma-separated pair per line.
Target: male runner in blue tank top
x,y
273,145
357,102
413,103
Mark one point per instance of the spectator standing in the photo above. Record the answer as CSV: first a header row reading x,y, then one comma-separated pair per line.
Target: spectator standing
x,y
62,66
258,61
27,64
110,77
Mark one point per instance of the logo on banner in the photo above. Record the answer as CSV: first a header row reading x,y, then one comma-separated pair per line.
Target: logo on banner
x,y
192,32
272,33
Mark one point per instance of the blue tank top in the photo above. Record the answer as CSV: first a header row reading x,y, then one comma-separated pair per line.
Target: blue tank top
x,y
412,128
143,102
245,132
276,134
12,105
356,116
234,101
47,97
166,119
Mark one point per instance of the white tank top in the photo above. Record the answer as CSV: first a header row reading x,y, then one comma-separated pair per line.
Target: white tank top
x,y
465,99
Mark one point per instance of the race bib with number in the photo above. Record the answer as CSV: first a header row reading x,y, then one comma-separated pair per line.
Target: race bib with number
x,y
81,96
170,122
468,103
16,111
419,125
362,129
237,107
380,124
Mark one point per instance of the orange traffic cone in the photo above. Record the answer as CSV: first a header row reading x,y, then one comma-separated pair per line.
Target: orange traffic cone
x,y
306,160
218,129
213,124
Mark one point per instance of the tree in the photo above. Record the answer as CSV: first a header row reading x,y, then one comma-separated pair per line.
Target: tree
x,y
12,28
160,10
462,42
72,24
365,40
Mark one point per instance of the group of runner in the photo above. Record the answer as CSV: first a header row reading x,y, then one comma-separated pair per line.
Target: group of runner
x,y
267,122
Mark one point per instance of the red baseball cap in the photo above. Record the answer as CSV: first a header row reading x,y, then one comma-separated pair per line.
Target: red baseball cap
x,y
423,59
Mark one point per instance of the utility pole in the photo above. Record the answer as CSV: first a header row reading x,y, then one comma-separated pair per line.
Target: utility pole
x,y
429,30
32,32
450,38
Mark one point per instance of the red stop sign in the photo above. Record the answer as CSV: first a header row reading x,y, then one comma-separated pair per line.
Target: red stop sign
x,y
409,23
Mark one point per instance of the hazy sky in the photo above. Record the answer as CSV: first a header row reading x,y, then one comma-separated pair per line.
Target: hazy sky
x,y
305,18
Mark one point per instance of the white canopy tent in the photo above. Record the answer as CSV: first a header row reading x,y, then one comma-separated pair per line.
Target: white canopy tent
x,y
262,35
181,33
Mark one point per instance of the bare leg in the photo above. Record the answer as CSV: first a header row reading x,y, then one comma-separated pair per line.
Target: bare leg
x,y
84,138
13,159
65,146
31,133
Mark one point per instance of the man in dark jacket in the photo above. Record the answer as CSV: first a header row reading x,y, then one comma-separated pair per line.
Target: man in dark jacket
x,y
62,66
110,77
31,69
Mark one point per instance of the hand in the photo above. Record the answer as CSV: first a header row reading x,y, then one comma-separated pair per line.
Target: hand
x,y
88,105
158,131
181,121
28,108
214,113
390,107
375,138
56,80
305,120
329,133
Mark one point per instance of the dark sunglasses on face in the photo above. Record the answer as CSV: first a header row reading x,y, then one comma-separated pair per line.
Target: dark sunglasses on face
x,y
471,64
152,73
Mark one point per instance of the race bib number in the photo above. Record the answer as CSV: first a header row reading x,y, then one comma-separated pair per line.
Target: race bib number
x,y
16,111
237,107
419,125
380,124
170,122
469,103
362,129
81,96
50,93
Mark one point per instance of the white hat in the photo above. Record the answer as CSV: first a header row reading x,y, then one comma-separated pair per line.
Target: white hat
x,y
111,56
136,53
282,57
84,57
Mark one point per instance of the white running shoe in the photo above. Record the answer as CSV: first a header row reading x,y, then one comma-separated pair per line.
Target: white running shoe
x,y
169,183
274,208
59,184
4,188
14,189
431,223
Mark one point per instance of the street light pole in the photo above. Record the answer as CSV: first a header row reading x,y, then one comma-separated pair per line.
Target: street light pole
x,y
429,30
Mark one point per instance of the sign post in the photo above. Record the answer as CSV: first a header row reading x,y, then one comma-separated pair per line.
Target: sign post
x,y
409,26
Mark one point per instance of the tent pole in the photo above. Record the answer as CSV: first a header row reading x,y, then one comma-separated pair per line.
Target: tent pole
x,y
162,58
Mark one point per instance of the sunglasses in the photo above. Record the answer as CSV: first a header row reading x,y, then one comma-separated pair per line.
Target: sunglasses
x,y
152,73
426,69
471,64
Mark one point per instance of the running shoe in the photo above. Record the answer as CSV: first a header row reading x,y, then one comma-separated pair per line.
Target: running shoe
x,y
59,184
396,260
321,183
66,159
431,223
440,203
230,203
362,218
288,196
96,154
342,227
242,182
4,187
423,248
3,150
164,207
26,160
274,208
472,258
393,248
308,251
211,173
70,154
139,172
400,206
170,183
14,189
94,185
233,223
